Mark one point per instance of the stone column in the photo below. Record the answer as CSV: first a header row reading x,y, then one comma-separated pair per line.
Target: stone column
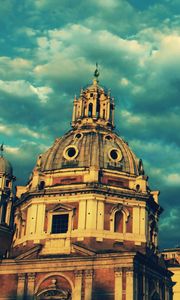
x,y
129,285
74,112
21,286
78,285
8,213
88,284
118,284
108,109
30,286
94,105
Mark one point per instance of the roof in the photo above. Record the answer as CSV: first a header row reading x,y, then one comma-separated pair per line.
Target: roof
x,y
177,249
89,147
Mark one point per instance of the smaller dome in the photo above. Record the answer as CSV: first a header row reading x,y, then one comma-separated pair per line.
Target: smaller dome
x,y
5,166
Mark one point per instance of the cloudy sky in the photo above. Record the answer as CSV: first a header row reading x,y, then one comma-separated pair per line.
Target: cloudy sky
x,y
48,50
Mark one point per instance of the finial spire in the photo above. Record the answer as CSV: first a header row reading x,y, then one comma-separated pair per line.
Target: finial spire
x,y
96,72
2,149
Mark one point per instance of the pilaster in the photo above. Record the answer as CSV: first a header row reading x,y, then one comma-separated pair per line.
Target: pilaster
x,y
21,286
129,284
40,218
78,285
30,285
118,284
100,215
82,214
88,284
8,213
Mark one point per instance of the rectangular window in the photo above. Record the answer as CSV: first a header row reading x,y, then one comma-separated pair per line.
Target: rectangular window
x,y
60,223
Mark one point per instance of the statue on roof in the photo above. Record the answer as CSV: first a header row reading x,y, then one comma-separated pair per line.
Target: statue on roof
x,y
2,149
96,72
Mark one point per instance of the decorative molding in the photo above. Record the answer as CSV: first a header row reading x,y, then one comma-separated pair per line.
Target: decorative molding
x,y
62,208
21,276
118,272
89,273
31,276
78,273
129,271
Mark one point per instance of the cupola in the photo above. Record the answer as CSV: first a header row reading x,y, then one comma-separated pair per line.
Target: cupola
x,y
95,106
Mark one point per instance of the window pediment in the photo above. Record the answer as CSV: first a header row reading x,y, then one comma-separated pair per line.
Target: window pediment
x,y
62,208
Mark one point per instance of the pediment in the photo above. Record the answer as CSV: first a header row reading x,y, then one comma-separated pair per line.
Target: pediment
x,y
30,253
82,249
62,208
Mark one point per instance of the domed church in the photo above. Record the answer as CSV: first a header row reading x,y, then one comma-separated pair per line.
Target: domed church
x,y
85,227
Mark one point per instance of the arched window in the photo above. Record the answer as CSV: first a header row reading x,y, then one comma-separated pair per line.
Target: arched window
x,y
3,213
54,294
98,109
54,287
104,113
119,219
41,185
118,222
90,110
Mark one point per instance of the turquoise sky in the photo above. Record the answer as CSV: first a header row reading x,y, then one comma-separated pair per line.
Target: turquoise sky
x,y
48,51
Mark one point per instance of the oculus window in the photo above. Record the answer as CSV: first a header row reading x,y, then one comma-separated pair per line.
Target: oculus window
x,y
70,152
115,155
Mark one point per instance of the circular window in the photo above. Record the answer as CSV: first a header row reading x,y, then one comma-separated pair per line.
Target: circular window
x,y
108,137
70,152
115,154
78,135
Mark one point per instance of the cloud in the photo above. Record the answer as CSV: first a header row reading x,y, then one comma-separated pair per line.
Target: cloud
x,y
173,179
48,52
107,4
170,224
11,68
24,157
21,88
6,129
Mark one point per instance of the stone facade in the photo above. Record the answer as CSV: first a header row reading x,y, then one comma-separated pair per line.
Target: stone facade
x,y
172,258
86,223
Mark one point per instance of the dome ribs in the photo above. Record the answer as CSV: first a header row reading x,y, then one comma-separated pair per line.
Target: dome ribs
x,y
94,149
93,146
85,151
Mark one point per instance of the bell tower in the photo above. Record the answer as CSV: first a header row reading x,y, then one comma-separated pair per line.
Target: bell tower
x,y
6,202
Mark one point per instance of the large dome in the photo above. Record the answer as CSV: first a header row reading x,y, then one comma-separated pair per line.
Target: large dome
x,y
88,147
92,142
5,166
